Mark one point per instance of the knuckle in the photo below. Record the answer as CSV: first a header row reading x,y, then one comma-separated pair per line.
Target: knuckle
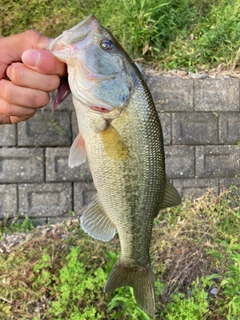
x,y
5,90
6,108
41,99
10,110
53,83
15,72
33,35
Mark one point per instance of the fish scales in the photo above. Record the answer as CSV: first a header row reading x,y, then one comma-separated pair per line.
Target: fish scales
x,y
133,194
120,134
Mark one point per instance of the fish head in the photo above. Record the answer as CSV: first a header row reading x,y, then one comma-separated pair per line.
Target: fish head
x,y
97,72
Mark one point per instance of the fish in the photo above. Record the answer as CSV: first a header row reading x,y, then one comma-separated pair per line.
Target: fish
x,y
120,135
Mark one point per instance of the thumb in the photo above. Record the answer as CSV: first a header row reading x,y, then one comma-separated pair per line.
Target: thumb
x,y
43,62
12,47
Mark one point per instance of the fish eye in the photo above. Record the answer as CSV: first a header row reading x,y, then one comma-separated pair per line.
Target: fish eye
x,y
107,44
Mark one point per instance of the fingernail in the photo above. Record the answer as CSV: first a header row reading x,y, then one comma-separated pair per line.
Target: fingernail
x,y
31,58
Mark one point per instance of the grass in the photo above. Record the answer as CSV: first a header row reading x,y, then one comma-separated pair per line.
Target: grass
x,y
58,272
188,34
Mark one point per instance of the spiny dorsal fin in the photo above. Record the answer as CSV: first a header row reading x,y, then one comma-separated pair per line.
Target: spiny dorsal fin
x,y
78,153
96,223
171,196
141,279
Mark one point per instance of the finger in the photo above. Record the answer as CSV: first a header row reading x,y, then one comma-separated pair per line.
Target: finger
x,y
22,76
5,119
44,62
25,97
8,110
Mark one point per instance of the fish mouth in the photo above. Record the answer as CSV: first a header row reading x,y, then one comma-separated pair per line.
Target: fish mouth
x,y
73,39
66,47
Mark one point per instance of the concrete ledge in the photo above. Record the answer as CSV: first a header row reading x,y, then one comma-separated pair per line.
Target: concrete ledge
x,y
216,95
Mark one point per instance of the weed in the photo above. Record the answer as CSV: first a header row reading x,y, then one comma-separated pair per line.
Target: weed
x,y
228,278
195,306
58,272
16,224
76,288
58,127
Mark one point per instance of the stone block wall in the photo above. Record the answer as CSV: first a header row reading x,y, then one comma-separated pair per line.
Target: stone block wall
x,y
201,126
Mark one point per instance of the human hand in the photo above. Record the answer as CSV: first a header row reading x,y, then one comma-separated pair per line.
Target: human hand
x,y
27,74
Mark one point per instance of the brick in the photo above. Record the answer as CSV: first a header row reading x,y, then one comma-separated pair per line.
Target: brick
x,y
216,95
166,120
83,196
7,135
195,188
195,128
171,94
45,200
217,161
229,128
179,161
45,129
8,200
21,165
57,168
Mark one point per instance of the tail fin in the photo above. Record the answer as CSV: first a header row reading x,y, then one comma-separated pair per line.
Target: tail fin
x,y
142,281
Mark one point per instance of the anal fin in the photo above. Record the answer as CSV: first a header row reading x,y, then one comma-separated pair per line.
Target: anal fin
x,y
96,223
171,196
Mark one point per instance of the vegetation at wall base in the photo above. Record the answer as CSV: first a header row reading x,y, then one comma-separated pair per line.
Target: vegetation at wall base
x,y
58,272
188,34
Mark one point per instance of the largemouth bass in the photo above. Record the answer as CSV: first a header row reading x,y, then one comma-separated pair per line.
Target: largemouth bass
x,y
120,134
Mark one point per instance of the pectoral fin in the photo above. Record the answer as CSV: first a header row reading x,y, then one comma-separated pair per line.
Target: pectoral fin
x,y
78,152
171,196
96,223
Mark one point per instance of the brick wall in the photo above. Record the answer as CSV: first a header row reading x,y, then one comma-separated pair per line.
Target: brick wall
x,y
201,125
